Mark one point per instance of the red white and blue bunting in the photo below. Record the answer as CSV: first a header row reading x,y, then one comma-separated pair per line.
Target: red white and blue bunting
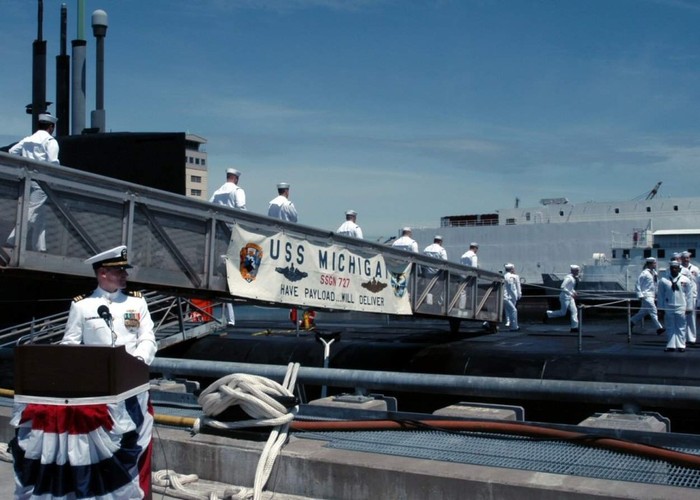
x,y
100,451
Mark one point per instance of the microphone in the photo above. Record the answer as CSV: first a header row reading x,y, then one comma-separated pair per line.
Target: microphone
x,y
103,312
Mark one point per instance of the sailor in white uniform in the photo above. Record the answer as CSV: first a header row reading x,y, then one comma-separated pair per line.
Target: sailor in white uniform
x,y
437,251
350,227
406,242
281,207
646,291
40,146
111,316
512,293
230,194
567,298
693,273
674,297
469,257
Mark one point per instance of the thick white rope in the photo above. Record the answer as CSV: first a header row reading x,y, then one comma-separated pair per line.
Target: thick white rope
x,y
5,455
171,483
254,395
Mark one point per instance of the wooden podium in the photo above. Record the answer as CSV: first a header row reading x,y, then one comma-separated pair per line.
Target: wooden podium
x,y
76,371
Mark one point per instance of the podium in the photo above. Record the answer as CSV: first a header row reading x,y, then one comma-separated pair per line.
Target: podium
x,y
73,404
76,371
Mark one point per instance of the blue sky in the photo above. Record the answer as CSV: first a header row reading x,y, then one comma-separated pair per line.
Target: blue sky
x,y
403,110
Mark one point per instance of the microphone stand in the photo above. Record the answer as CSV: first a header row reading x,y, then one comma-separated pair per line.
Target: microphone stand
x,y
114,334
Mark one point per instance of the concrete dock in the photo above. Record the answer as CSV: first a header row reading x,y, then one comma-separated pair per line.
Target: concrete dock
x,y
307,468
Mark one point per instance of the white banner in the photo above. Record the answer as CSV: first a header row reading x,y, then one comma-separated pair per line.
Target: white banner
x,y
288,270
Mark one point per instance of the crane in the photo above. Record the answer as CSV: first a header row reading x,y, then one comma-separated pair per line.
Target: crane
x,y
654,190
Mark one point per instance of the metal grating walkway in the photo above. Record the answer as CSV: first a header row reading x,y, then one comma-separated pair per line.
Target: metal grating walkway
x,y
498,450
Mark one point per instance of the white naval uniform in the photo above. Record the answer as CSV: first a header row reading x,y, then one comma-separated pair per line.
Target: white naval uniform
x,y
646,291
436,251
512,293
349,228
131,322
567,300
406,243
675,303
40,146
282,208
692,273
469,258
230,195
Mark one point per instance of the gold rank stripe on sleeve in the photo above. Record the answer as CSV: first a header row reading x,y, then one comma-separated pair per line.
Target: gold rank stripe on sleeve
x,y
134,293
78,298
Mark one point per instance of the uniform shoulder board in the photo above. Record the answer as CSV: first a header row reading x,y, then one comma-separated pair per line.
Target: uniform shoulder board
x,y
78,298
134,293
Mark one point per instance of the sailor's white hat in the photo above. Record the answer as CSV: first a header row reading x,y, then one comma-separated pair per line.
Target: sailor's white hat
x,y
350,212
574,267
685,254
115,257
437,237
676,255
283,185
473,244
650,259
233,171
508,266
47,118
674,263
405,229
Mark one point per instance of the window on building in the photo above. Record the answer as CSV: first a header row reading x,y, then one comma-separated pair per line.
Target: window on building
x,y
196,161
648,209
195,192
197,179
204,161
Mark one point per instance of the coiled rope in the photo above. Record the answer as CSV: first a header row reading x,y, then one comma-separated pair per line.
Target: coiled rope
x,y
254,394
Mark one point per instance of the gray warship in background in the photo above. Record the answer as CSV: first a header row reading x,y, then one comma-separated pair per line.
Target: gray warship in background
x,y
610,240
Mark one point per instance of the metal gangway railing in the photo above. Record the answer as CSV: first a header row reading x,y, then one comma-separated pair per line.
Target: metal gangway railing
x,y
177,243
172,317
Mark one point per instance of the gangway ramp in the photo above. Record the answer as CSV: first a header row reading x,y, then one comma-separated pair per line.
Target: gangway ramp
x,y
189,246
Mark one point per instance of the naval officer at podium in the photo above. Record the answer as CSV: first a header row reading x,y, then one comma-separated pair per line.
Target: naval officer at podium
x,y
111,315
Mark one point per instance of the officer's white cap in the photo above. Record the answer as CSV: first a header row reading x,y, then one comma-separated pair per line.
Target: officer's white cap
x,y
574,267
350,212
283,185
509,266
115,257
473,244
437,237
233,171
650,259
47,118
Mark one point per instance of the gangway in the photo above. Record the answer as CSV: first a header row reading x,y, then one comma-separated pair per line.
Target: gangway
x,y
188,246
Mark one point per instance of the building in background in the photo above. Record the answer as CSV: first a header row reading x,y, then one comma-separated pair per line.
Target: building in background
x,y
196,167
